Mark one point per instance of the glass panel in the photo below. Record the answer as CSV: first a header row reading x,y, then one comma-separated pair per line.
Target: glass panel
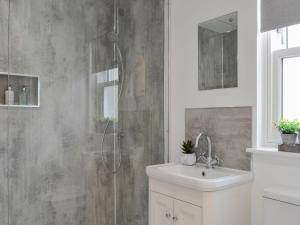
x,y
294,36
278,39
285,37
290,89
56,175
81,157
111,102
141,114
217,51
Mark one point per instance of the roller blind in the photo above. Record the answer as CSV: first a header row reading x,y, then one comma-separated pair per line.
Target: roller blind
x,y
279,13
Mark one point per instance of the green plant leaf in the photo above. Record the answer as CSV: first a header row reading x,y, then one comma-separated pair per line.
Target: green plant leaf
x,y
187,147
287,127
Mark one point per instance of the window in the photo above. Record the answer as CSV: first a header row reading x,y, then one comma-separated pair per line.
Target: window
x,y
290,88
282,50
107,94
110,107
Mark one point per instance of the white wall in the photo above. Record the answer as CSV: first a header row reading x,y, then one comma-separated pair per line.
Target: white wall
x,y
185,15
269,169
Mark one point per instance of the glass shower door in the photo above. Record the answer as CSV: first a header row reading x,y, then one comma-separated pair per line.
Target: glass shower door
x,y
55,175
80,157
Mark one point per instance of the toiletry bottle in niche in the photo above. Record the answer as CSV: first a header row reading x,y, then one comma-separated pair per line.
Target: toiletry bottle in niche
x,y
9,96
23,96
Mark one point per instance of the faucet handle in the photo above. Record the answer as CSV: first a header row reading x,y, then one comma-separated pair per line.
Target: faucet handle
x,y
201,153
218,160
201,157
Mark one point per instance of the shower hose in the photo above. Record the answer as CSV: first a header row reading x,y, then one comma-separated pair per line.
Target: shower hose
x,y
117,166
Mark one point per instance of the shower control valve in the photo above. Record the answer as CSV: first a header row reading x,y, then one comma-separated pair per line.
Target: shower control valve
x,y
168,215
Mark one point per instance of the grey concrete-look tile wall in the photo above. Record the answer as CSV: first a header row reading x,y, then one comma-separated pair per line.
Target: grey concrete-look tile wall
x,y
3,116
230,130
230,64
141,109
209,59
50,163
53,178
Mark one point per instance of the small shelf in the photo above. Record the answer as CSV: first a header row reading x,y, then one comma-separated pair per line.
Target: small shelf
x,y
17,82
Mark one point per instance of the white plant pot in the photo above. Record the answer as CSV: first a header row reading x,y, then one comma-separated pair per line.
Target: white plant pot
x,y
289,139
188,159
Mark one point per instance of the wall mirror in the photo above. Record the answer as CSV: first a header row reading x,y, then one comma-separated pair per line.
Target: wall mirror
x,y
217,52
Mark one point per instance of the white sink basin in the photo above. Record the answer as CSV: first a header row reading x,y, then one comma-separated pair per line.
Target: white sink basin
x,y
199,178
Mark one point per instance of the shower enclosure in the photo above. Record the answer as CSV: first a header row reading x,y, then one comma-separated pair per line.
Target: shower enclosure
x,y
79,158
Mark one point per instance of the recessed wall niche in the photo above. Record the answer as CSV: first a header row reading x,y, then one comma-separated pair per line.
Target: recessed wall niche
x,y
25,87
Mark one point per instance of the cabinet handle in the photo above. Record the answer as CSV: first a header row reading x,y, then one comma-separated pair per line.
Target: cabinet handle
x,y
175,218
168,215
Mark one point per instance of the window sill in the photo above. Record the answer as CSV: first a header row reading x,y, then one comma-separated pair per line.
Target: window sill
x,y
272,152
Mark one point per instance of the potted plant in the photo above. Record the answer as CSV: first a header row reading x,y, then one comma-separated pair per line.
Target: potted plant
x,y
188,153
298,129
288,131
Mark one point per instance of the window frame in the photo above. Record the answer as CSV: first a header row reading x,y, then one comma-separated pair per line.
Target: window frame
x,y
272,66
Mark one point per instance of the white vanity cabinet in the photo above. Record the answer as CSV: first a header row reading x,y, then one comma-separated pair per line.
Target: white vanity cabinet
x,y
161,209
165,210
171,204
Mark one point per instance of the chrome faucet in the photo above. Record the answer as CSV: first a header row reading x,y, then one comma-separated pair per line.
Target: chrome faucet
x,y
209,161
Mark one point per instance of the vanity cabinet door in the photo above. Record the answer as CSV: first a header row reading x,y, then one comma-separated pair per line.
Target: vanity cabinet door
x,y
161,209
186,214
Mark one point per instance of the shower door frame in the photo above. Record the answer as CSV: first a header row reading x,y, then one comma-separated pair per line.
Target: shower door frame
x,y
167,72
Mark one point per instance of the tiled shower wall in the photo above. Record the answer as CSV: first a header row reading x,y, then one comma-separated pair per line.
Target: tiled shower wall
x,y
50,166
141,109
230,131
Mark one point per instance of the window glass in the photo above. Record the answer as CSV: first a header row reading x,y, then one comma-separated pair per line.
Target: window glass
x,y
290,88
294,36
278,39
283,66
111,102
